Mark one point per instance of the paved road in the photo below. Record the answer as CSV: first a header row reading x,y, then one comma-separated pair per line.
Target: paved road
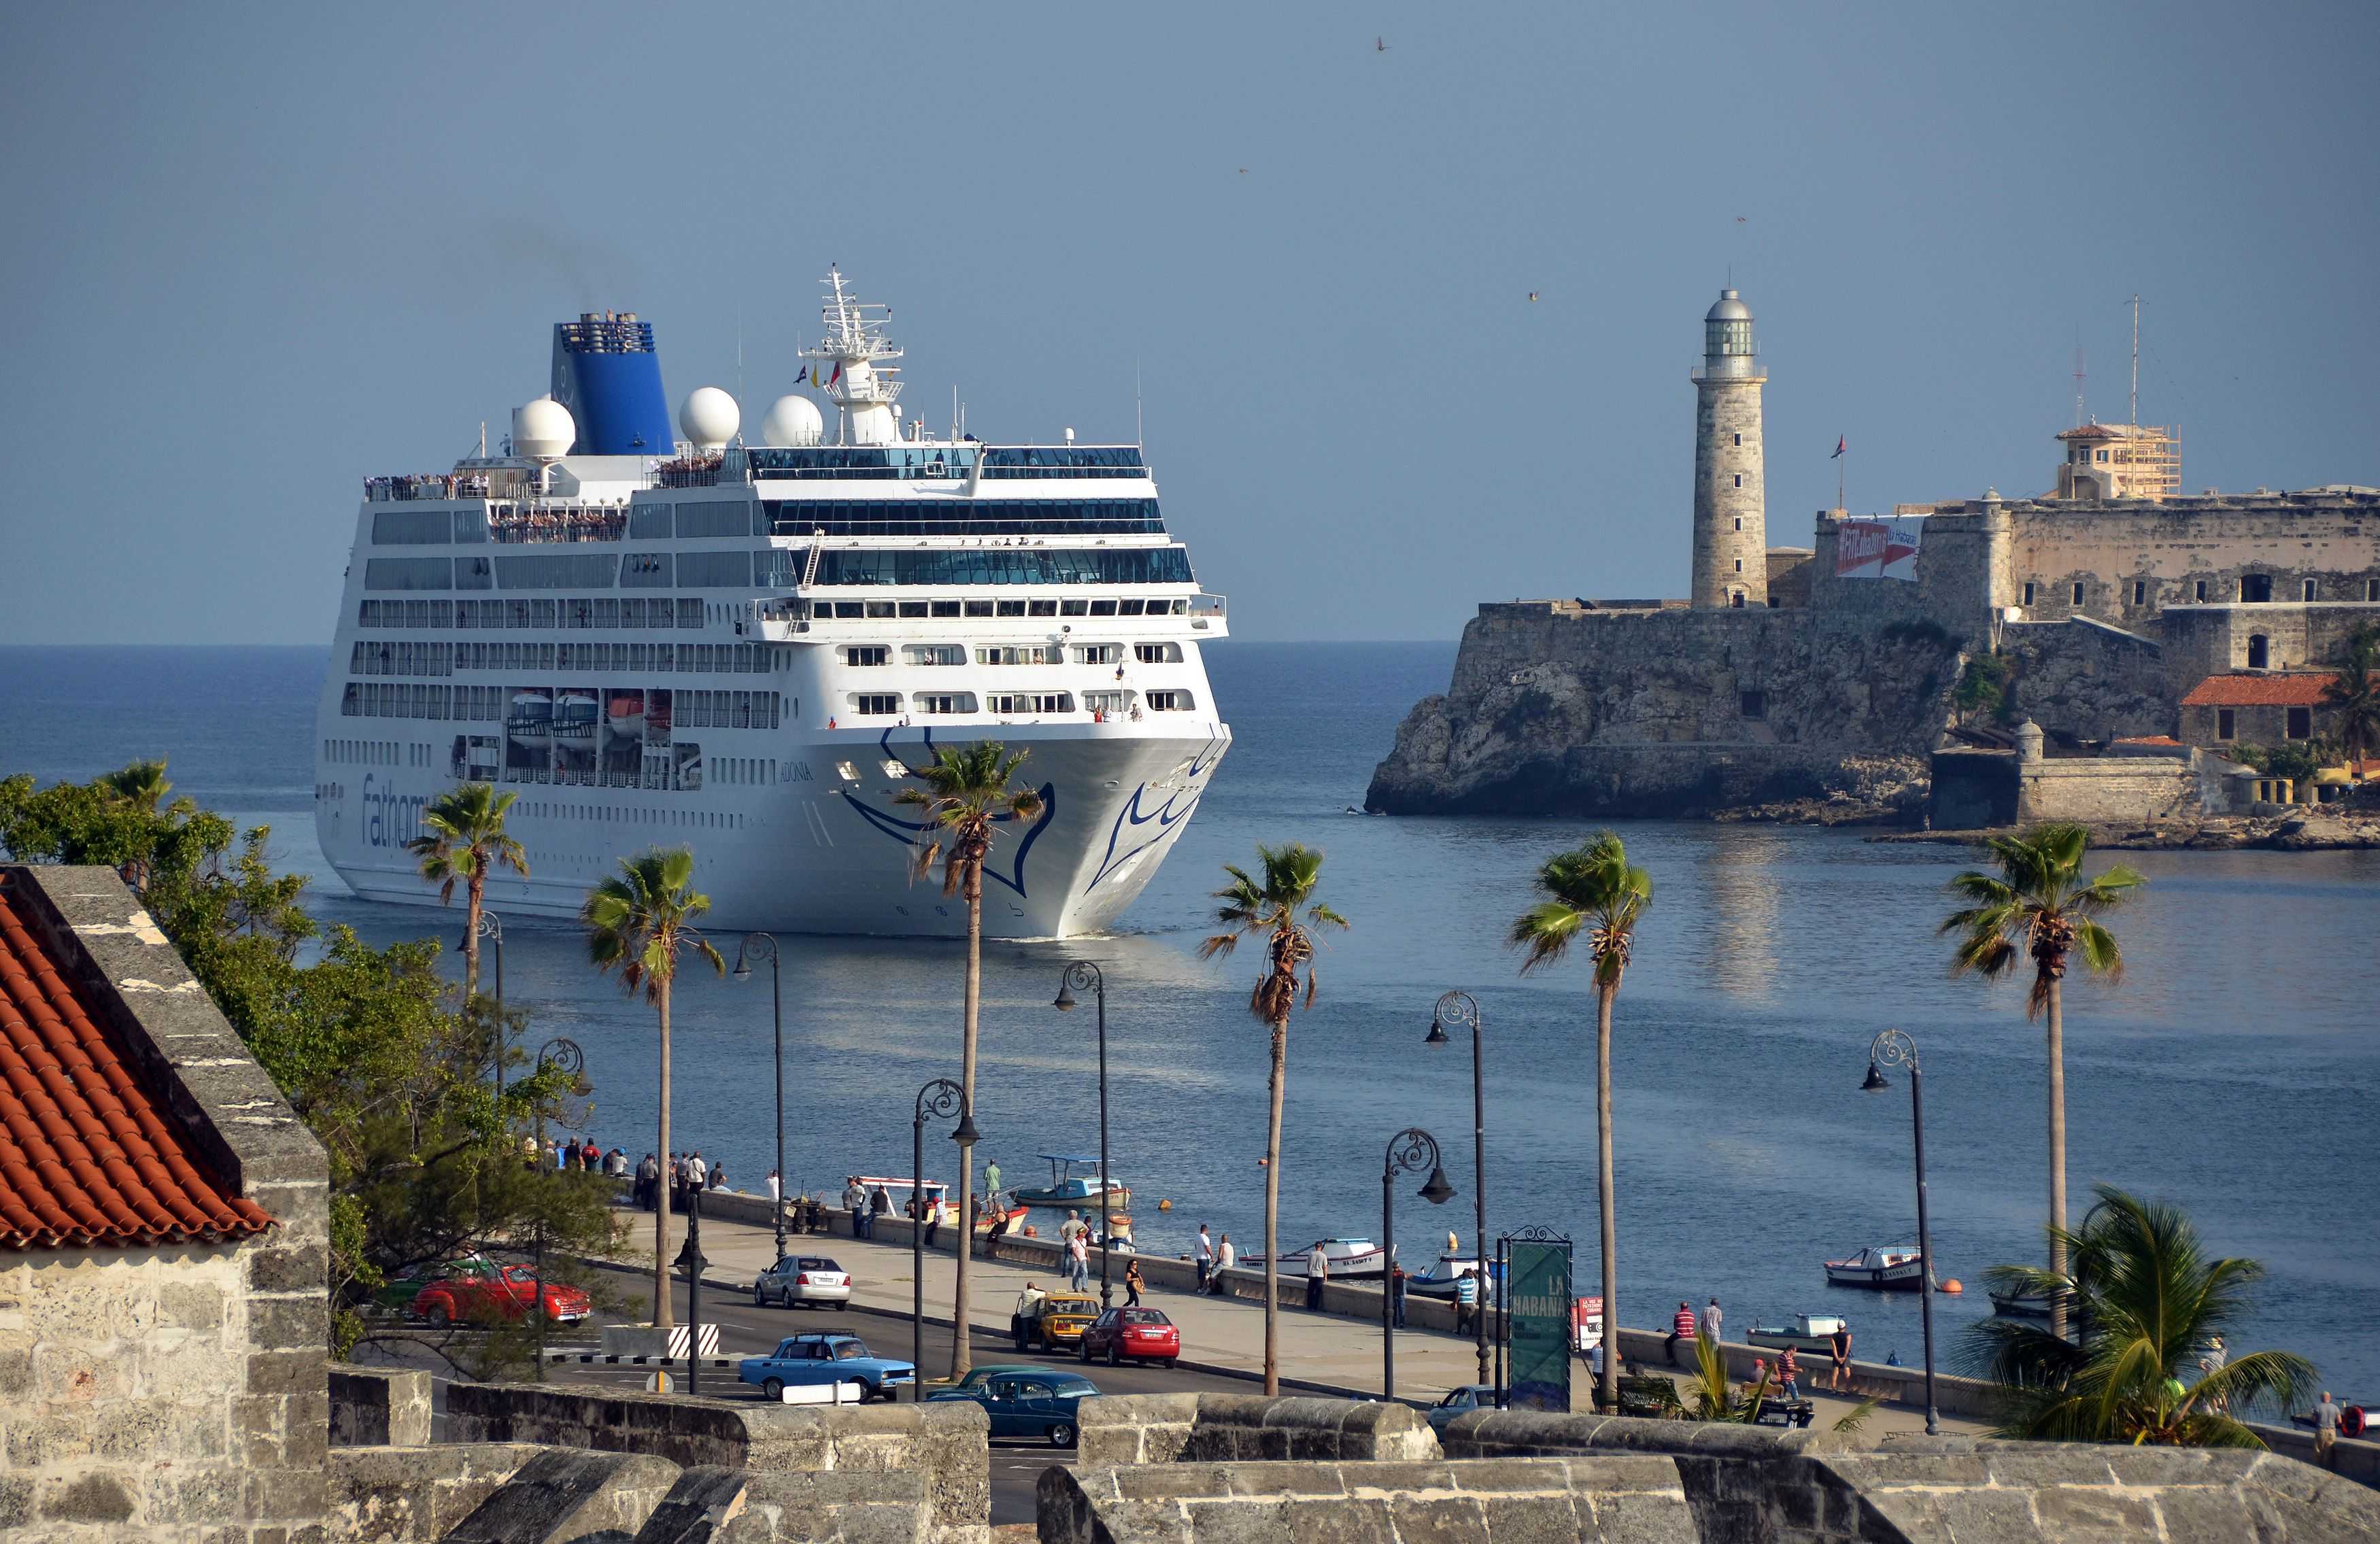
x,y
1017,1464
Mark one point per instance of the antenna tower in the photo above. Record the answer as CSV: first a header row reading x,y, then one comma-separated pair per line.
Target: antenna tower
x,y
2136,359
2078,386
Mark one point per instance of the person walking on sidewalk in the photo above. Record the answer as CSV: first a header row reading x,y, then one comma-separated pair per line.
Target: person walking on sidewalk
x,y
2325,1429
1132,1284
1079,1262
1789,1374
1711,1320
1206,1258
1317,1275
1682,1328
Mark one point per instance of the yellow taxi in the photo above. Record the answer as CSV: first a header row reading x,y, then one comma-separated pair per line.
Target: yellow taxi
x,y
1052,1320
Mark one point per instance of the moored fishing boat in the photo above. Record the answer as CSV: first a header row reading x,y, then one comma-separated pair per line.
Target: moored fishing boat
x,y
1343,1259
1804,1333
1879,1268
1067,1188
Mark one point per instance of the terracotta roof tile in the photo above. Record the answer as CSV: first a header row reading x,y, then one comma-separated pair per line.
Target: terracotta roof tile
x,y
88,1156
2148,739
2300,690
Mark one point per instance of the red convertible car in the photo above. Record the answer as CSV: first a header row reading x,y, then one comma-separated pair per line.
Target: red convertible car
x,y
1133,1335
506,1292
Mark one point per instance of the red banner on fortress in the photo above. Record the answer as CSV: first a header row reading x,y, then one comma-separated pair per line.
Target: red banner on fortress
x,y
1879,549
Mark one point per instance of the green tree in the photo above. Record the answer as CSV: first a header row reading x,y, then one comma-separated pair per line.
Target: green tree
x,y
1983,686
638,922
2354,696
463,838
1283,907
2041,906
1593,890
967,789
368,1046
2149,1303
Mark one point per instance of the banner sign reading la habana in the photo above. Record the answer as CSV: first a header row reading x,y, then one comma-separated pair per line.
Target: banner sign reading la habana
x,y
1882,548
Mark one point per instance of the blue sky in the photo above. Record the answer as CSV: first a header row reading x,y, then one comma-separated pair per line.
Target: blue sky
x,y
255,253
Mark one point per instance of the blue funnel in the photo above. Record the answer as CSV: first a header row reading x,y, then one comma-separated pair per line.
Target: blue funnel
x,y
605,372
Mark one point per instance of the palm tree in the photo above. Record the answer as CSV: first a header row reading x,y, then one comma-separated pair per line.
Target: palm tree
x,y
638,922
1593,890
1283,906
966,789
2356,696
143,786
465,837
2041,901
2149,1303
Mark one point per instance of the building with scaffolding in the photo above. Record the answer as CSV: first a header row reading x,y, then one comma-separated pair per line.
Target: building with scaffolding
x,y
2108,461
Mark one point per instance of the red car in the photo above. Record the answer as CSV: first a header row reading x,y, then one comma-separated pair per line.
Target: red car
x,y
504,1293
1133,1335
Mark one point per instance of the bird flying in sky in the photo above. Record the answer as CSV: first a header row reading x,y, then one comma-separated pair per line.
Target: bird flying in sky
x,y
1380,46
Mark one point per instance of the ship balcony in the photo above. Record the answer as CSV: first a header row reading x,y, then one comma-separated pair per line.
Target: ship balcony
x,y
829,618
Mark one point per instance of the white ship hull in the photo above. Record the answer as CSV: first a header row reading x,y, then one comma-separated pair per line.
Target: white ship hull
x,y
819,853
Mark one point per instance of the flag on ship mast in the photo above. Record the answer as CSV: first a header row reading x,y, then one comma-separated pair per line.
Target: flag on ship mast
x,y
837,375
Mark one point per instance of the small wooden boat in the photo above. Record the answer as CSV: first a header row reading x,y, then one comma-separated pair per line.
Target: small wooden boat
x,y
1343,1259
1879,1268
2020,1305
1807,1332
1443,1280
1013,1216
1067,1188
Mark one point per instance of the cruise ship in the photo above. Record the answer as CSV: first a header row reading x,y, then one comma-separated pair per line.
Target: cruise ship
x,y
662,639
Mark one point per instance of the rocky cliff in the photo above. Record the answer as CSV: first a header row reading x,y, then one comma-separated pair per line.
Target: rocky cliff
x,y
1557,710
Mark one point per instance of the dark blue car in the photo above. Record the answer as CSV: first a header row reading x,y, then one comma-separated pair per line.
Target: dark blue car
x,y
1022,1401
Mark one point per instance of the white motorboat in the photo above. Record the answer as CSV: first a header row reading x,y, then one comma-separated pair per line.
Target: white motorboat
x,y
1441,1280
1345,1260
1804,1333
1879,1268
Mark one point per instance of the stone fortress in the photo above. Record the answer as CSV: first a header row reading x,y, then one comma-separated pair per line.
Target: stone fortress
x,y
1830,672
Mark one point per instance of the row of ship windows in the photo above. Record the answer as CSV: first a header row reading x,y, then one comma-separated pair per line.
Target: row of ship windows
x,y
654,522
434,660
879,610
885,704
691,710
779,568
1030,653
465,615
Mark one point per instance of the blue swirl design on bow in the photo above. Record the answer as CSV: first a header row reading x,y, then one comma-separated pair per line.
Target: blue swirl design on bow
x,y
907,833
1165,815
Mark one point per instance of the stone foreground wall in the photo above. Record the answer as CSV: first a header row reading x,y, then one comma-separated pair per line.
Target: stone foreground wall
x,y
948,1442
415,1495
1124,1431
1528,1501
379,1407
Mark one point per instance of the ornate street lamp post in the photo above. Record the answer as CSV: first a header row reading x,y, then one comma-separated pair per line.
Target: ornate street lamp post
x,y
938,1099
1889,1049
1408,1151
1456,1010
492,927
562,1054
1083,973
764,946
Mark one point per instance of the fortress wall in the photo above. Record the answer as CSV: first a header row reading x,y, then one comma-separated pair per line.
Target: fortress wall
x,y
2171,548
2088,680
2207,641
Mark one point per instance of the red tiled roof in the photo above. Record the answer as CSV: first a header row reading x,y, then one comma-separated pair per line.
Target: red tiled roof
x,y
88,1155
2148,739
2300,690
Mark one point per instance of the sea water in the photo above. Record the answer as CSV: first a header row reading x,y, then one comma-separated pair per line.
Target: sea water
x,y
2232,1071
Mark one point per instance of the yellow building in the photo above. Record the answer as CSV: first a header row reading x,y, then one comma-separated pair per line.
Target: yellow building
x,y
2107,461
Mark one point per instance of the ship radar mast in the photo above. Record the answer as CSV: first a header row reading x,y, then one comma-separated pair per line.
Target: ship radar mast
x,y
857,375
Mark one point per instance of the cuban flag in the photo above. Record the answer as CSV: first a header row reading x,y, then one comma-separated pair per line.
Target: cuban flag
x,y
1840,441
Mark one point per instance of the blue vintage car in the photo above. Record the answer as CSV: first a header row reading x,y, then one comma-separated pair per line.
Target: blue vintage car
x,y
1026,1401
826,1356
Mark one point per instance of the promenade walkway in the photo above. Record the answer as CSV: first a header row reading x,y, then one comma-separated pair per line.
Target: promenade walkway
x,y
1329,1353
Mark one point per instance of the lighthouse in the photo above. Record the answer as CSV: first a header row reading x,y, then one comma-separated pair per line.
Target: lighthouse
x,y
1731,505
